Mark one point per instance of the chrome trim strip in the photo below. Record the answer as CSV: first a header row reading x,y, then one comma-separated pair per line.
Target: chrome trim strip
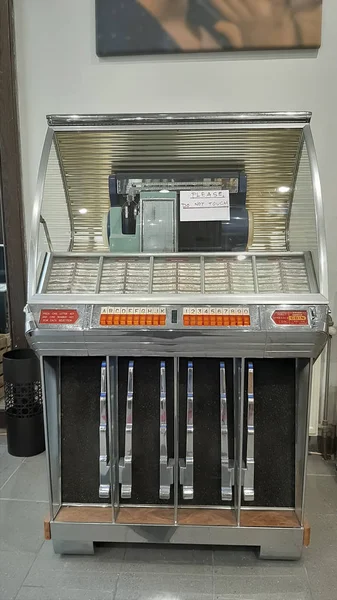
x,y
46,232
45,271
202,274
171,119
187,464
165,464
66,193
35,222
125,463
239,375
151,274
178,299
319,211
173,254
46,431
99,274
176,436
255,276
104,467
248,490
312,281
227,465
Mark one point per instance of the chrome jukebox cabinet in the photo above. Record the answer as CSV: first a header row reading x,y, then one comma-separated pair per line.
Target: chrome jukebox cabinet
x,y
178,300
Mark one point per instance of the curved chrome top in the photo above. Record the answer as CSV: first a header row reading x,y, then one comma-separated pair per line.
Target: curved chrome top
x,y
177,118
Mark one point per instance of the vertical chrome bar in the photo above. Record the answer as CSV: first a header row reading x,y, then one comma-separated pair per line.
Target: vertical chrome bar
x,y
256,279
202,274
282,275
165,465
104,466
240,383
176,436
99,274
110,398
303,388
125,275
186,465
43,279
310,273
248,490
151,274
125,464
115,437
227,467
46,432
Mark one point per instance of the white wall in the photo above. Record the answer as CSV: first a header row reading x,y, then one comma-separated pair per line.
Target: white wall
x,y
59,72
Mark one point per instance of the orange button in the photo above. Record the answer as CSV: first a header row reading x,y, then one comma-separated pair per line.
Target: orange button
x,y
226,321
213,321
149,319
239,321
116,319
186,319
155,319
162,320
136,319
232,320
193,320
109,320
123,320
246,320
200,320
102,320
129,320
207,320
219,320
142,320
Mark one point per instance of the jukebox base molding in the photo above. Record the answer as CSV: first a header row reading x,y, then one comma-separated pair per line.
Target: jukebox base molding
x,y
277,533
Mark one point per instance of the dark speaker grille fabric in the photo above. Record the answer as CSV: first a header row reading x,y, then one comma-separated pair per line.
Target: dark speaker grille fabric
x,y
145,431
206,421
274,395
80,390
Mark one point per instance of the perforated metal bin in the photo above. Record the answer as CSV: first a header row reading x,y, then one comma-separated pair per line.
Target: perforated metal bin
x,y
23,403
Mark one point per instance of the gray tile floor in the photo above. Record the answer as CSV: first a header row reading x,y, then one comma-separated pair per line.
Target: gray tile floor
x,y
29,570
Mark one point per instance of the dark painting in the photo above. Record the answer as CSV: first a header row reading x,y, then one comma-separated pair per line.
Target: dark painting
x,y
126,27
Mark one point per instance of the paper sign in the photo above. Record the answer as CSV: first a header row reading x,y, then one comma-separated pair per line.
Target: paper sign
x,y
204,205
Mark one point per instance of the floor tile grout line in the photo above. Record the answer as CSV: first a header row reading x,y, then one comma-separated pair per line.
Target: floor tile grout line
x,y
33,563
308,581
15,470
114,591
25,500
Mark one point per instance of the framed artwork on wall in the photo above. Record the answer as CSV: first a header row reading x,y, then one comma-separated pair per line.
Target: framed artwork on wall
x,y
129,27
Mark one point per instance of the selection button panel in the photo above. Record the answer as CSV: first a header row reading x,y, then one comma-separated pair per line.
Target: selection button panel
x,y
216,316
129,316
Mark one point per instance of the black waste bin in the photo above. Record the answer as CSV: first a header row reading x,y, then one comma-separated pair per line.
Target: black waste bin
x,y
23,403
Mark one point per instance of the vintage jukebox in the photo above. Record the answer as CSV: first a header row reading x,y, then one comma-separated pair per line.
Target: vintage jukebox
x,y
178,300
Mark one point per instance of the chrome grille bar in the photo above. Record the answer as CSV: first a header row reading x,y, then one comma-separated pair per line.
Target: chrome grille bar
x,y
248,489
187,464
227,467
125,463
165,465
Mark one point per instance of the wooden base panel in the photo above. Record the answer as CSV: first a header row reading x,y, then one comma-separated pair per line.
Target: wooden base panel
x,y
186,516
269,518
306,534
206,516
148,516
84,514
46,529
